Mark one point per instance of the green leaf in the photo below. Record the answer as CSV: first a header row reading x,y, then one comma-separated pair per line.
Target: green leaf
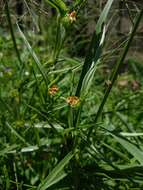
x,y
87,81
16,134
8,149
132,149
88,78
59,5
56,174
120,154
131,134
116,69
103,16
95,47
33,54
130,168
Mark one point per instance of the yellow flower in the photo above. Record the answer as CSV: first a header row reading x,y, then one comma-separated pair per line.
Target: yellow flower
x,y
53,90
73,101
72,16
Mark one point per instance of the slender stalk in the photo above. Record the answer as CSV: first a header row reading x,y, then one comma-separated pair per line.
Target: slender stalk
x,y
129,12
16,177
61,36
117,68
57,41
12,33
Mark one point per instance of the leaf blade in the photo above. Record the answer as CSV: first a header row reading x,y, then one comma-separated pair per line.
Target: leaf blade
x,y
49,180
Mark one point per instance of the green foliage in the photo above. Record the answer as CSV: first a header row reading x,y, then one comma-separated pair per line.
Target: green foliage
x,y
56,174
59,5
67,121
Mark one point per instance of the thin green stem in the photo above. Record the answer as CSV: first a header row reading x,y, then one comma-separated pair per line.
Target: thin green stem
x,y
12,33
16,177
117,68
129,12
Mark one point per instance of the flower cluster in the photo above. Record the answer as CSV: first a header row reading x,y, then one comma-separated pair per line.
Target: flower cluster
x,y
73,101
53,90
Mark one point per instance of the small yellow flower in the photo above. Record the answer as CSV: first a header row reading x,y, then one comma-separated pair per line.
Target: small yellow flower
x,y
73,101
53,90
72,16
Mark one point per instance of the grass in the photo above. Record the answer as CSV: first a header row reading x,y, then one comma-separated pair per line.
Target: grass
x,y
66,121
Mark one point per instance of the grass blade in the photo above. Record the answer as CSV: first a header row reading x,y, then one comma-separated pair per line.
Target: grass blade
x,y
117,67
33,54
59,5
56,175
12,34
103,16
87,80
95,47
131,134
132,149
16,134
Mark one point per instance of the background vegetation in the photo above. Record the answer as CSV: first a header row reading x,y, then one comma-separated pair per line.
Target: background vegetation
x,y
71,95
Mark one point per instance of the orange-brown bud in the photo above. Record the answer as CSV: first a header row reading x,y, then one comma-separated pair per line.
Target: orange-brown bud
x,y
53,90
73,101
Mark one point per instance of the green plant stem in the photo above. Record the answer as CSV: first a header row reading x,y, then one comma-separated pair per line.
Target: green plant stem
x,y
12,33
129,12
15,173
57,41
117,68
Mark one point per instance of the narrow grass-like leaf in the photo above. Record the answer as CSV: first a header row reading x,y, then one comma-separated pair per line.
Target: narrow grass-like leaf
x,y
59,5
16,134
124,121
59,177
56,175
116,151
89,68
6,176
124,171
90,57
128,167
7,106
29,149
44,116
95,48
87,81
132,149
8,149
33,54
12,34
131,134
103,16
117,68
